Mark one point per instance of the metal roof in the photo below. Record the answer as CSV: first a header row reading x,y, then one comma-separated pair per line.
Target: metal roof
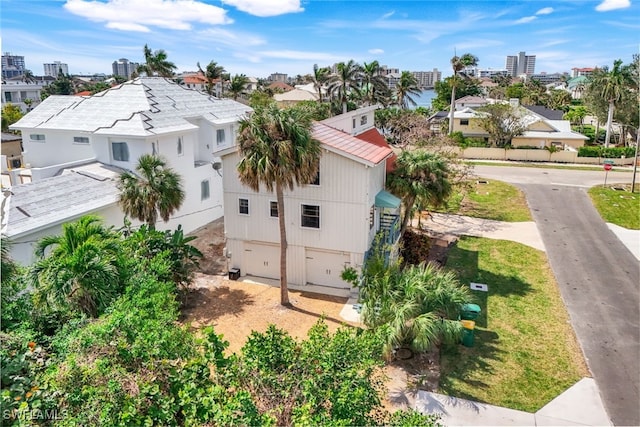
x,y
141,107
349,146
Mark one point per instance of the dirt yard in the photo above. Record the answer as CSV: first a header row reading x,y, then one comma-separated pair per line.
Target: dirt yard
x,y
236,308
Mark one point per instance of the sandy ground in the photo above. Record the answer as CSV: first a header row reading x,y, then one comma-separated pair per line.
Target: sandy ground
x,y
236,308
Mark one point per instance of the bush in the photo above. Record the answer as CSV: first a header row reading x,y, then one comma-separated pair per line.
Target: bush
x,y
415,247
608,153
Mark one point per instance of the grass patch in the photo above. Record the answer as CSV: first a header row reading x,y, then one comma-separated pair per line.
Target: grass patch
x,y
545,166
618,207
525,351
491,200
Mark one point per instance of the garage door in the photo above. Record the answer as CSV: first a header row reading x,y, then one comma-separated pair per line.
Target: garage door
x,y
262,260
325,268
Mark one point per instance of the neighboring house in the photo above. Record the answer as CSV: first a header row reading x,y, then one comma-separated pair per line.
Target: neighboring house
x,y
148,115
11,152
16,92
331,223
470,102
280,87
544,128
292,97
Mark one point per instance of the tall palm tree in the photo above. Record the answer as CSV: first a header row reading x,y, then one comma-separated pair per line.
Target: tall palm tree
x,y
79,268
458,63
611,86
405,88
345,80
156,63
320,77
155,190
212,74
417,306
278,152
419,174
28,77
373,82
238,85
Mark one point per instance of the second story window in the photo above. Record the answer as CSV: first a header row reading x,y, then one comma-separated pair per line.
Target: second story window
x,y
363,120
120,151
273,209
220,136
204,190
37,137
464,122
243,206
179,147
80,140
310,217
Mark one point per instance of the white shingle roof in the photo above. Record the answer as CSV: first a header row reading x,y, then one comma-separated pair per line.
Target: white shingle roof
x,y
141,107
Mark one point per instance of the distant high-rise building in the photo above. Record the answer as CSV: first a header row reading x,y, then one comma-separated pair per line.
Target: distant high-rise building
x,y
278,77
122,67
577,72
427,79
55,68
12,65
520,64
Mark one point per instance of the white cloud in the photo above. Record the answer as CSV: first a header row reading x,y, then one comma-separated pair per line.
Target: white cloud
x,y
388,14
264,8
608,5
545,11
219,36
526,19
376,51
140,15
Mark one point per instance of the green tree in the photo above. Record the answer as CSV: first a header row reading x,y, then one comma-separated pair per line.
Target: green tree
x,y
464,87
373,82
407,87
610,86
422,175
559,100
28,77
155,190
416,306
458,63
10,114
345,81
277,151
62,85
238,85
320,78
79,269
156,63
212,74
576,115
501,122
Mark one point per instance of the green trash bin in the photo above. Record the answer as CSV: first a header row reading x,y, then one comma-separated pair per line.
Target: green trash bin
x,y
470,311
468,332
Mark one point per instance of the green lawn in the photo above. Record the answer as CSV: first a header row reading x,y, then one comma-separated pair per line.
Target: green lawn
x,y
618,207
525,351
546,166
489,200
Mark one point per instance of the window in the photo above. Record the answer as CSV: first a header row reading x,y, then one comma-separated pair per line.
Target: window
x,y
220,136
316,180
243,206
310,216
154,150
120,151
363,120
80,140
464,122
372,213
179,148
273,209
7,96
204,189
37,137
354,123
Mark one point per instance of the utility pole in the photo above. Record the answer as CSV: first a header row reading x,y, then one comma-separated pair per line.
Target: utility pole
x,y
635,163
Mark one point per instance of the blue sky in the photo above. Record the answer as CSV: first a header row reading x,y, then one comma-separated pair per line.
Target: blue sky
x,y
259,37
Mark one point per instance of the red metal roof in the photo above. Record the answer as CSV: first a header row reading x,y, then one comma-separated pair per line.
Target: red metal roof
x,y
350,145
373,136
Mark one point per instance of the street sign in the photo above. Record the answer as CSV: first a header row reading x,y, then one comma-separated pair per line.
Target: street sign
x,y
608,162
607,167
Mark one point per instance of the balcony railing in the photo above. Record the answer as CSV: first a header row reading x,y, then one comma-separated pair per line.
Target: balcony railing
x,y
390,227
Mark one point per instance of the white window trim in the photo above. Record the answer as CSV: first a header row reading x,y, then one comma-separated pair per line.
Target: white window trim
x,y
248,206
319,216
112,154
224,137
269,212
208,181
180,147
39,140
81,143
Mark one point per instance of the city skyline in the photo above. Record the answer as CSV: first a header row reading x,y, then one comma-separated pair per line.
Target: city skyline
x,y
260,37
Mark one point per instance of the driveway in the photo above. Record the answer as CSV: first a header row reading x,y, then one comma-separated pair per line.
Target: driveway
x,y
598,277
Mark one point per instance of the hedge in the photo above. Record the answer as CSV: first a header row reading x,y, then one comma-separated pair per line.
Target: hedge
x,y
608,153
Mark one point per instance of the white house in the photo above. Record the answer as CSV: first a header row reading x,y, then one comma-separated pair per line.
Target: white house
x,y
331,223
112,129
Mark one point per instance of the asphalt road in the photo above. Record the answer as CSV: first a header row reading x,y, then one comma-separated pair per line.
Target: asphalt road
x,y
599,279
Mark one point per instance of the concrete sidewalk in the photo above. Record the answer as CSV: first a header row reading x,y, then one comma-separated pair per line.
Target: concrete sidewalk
x,y
580,405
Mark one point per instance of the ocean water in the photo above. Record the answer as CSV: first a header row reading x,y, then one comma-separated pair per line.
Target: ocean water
x,y
424,100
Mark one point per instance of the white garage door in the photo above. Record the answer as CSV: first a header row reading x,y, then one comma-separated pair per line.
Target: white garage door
x,y
262,260
325,268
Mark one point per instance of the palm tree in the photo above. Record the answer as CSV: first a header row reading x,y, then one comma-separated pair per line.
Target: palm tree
x,y
458,63
238,85
417,306
156,63
407,86
344,81
278,152
320,77
28,77
373,82
212,74
79,268
156,189
421,175
610,86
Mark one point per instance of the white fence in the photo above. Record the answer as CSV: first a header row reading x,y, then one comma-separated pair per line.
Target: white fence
x,y
531,155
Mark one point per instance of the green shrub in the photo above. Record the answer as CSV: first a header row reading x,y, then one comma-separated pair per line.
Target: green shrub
x,y
608,153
